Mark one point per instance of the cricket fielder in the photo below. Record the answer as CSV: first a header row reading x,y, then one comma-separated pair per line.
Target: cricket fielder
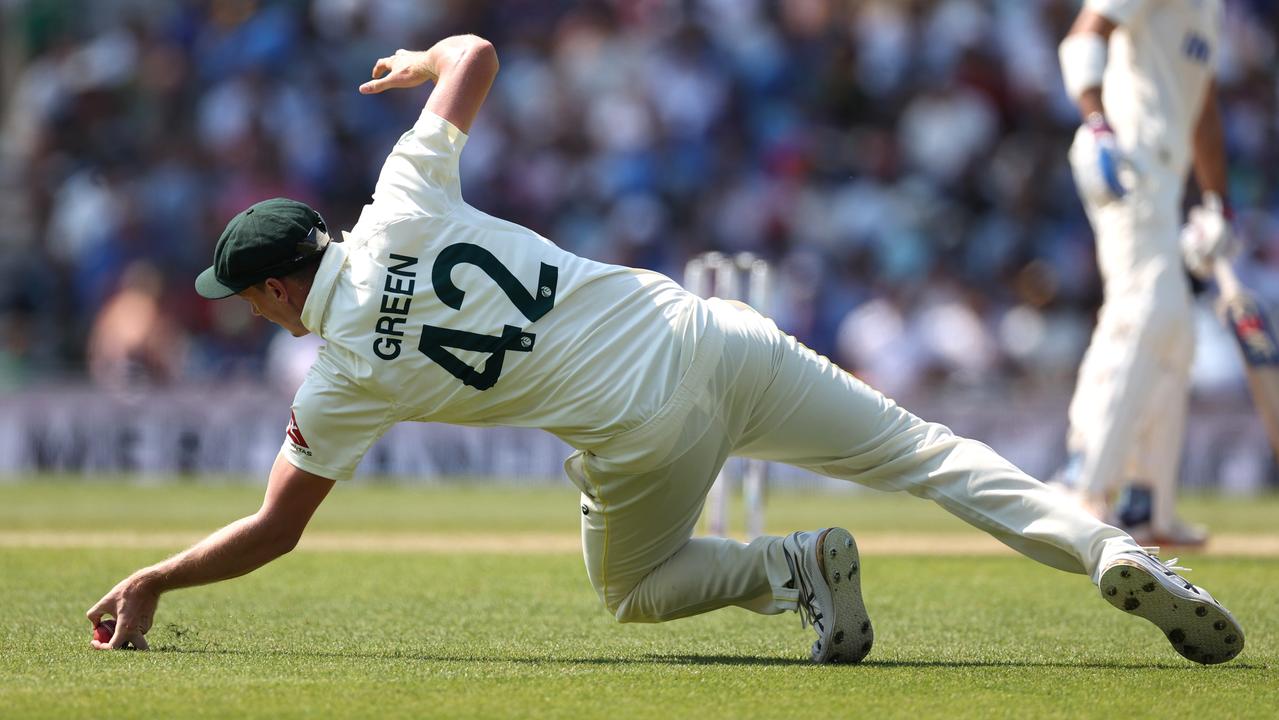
x,y
434,311
1141,74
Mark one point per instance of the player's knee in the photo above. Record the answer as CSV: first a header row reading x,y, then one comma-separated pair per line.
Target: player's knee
x,y
633,612
624,613
622,610
616,600
626,605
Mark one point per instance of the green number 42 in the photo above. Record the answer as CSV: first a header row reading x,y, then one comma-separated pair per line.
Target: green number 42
x,y
533,305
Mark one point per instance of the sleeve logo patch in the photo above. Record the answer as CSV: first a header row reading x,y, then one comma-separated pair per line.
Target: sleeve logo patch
x,y
295,435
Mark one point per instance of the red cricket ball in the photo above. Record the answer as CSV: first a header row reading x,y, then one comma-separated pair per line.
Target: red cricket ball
x,y
103,631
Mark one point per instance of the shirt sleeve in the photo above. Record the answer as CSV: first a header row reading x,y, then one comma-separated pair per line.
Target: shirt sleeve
x,y
1120,12
421,173
333,423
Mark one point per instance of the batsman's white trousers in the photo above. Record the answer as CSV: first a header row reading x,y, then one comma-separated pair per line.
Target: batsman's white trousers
x,y
1128,414
753,391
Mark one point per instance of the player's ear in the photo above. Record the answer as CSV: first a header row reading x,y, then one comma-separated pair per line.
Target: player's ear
x,y
276,290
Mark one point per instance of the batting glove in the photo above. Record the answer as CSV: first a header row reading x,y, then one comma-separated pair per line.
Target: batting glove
x,y
1100,166
1207,235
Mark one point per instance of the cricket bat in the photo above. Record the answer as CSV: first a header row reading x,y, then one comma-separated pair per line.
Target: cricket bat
x,y
1251,325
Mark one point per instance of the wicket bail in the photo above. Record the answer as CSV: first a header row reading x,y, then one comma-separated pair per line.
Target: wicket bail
x,y
745,278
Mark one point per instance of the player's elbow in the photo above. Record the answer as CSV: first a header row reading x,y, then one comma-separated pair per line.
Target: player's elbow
x,y
286,543
479,55
482,46
276,538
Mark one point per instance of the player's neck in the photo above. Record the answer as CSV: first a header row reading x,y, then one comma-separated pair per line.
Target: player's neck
x,y
299,285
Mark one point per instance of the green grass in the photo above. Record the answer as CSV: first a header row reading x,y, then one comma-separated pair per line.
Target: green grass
x,y
431,635
59,504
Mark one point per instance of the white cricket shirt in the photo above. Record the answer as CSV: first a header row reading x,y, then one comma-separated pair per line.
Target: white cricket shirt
x,y
436,312
1160,62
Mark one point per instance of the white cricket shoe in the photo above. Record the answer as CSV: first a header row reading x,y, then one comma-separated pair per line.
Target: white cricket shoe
x,y
826,571
1198,626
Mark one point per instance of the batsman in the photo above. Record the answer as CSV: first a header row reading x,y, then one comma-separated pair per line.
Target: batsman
x,y
1141,74
434,311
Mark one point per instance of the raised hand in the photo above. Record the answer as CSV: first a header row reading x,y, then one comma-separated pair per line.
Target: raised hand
x,y
404,69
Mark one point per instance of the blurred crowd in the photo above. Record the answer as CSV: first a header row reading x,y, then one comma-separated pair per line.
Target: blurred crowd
x,y
900,163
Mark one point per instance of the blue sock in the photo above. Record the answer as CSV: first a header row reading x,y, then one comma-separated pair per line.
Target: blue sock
x,y
1135,506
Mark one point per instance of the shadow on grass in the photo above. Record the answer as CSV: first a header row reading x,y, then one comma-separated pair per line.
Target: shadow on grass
x,y
872,663
1085,665
690,659
423,656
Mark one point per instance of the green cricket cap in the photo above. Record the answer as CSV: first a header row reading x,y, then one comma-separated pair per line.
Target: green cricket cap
x,y
270,239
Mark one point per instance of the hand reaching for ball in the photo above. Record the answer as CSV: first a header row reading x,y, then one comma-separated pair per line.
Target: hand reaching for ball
x,y
131,605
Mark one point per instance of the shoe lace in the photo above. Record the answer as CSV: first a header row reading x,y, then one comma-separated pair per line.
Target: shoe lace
x,y
808,613
1171,568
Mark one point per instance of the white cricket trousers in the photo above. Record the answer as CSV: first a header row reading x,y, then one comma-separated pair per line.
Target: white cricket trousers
x,y
754,391
1128,413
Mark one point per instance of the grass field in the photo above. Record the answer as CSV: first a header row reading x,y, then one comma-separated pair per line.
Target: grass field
x,y
397,632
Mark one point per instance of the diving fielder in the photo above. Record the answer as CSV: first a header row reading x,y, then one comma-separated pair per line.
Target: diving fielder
x,y
434,311
1141,74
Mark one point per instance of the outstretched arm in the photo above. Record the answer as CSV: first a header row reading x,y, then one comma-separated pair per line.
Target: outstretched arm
x,y
292,497
462,67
